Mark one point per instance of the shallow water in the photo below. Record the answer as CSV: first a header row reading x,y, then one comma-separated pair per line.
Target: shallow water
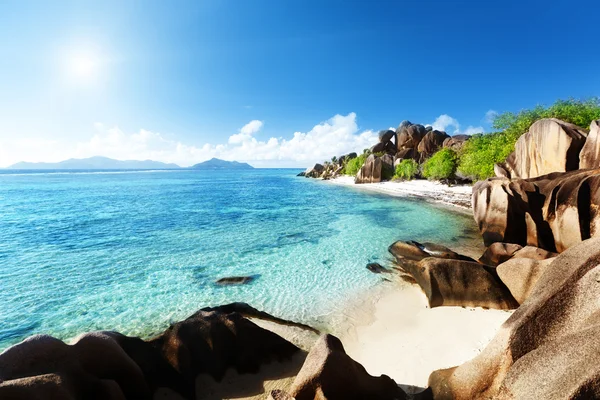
x,y
136,251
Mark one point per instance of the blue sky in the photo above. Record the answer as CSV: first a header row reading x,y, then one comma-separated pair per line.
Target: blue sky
x,y
275,83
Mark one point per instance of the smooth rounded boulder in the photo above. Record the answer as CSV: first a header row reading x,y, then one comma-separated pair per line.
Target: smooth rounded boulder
x,y
432,142
409,136
370,172
550,145
521,274
329,373
589,157
549,348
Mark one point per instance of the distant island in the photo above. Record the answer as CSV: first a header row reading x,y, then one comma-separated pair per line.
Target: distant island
x,y
215,163
95,163
99,162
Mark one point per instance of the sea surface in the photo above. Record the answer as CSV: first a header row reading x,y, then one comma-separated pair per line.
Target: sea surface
x,y
136,251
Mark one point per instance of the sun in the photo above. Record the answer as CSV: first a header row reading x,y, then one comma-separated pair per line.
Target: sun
x,y
82,67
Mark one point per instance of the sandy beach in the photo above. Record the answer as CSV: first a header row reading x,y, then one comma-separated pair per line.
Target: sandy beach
x,y
458,195
397,334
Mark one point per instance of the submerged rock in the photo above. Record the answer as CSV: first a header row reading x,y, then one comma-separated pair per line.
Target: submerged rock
x,y
235,280
377,268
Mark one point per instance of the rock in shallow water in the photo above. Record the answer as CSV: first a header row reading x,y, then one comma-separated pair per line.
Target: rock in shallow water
x,y
235,280
377,268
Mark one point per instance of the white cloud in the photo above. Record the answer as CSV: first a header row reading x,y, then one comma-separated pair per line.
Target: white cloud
x,y
490,115
334,137
471,130
246,132
444,122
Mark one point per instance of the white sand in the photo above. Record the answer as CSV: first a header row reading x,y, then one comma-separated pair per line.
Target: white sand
x,y
406,340
458,195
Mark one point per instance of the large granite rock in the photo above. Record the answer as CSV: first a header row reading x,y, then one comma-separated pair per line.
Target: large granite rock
x,y
448,282
406,154
553,212
498,252
387,167
432,142
456,142
386,135
211,341
589,157
549,348
551,145
329,373
111,366
450,279
521,274
409,136
314,171
370,172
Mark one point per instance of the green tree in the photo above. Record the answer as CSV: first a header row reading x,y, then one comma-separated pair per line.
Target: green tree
x,y
442,165
406,169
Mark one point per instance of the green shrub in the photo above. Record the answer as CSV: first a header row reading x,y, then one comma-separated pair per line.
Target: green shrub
x,y
442,165
481,152
407,169
351,167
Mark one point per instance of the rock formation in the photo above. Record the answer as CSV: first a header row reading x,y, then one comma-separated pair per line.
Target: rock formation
x,y
456,142
590,153
549,348
553,212
431,143
550,145
450,279
108,365
370,172
314,172
330,374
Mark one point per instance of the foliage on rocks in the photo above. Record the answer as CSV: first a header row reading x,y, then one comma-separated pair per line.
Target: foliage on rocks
x,y
406,170
442,165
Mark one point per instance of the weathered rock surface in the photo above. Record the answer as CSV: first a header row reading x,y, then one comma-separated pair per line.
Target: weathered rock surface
x,y
455,142
386,135
315,171
432,142
551,145
521,274
549,348
448,282
329,373
409,136
589,157
111,366
370,172
211,341
415,251
553,212
498,252
450,279
405,154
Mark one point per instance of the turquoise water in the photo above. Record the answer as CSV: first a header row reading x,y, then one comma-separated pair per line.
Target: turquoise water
x,y
135,251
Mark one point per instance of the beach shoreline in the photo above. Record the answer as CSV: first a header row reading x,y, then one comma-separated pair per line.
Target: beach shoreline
x,y
458,197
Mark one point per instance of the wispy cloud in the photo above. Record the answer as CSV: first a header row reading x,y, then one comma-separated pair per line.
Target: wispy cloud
x,y
490,115
338,135
451,126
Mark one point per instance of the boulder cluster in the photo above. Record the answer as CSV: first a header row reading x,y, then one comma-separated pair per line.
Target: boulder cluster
x,y
208,344
547,193
408,141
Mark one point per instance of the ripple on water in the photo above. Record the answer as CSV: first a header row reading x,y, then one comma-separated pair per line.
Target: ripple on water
x,y
134,252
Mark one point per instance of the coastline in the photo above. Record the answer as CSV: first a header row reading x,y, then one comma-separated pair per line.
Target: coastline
x,y
459,196
391,330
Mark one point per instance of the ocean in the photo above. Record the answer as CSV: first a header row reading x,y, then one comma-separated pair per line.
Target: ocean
x,y
135,251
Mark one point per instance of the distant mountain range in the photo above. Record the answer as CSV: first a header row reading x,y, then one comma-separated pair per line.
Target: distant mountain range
x,y
95,163
109,163
215,163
